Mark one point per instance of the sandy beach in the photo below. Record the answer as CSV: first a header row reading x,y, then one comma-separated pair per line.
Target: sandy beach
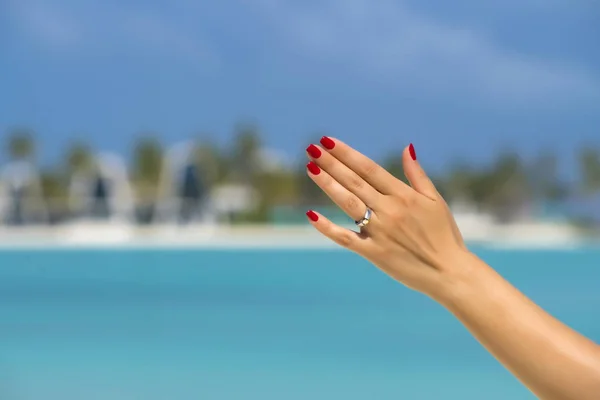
x,y
117,235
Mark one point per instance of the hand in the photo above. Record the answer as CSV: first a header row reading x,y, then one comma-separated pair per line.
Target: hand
x,y
411,235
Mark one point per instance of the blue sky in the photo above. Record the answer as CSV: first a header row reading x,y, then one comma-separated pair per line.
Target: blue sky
x,y
459,79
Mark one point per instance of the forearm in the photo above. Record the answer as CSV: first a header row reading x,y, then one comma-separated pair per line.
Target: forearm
x,y
552,360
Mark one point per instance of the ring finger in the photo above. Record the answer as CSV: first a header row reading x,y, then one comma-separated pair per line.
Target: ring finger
x,y
346,200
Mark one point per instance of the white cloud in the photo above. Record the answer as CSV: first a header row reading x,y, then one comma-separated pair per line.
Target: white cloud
x,y
390,42
153,32
50,26
91,27
523,5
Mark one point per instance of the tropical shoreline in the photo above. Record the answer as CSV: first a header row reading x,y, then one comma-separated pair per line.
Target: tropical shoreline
x,y
530,235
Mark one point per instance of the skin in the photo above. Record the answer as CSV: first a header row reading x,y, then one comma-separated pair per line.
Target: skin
x,y
412,236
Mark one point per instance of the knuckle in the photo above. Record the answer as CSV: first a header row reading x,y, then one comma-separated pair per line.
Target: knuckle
x,y
370,168
406,200
344,239
410,201
327,182
398,215
379,253
401,201
351,203
356,183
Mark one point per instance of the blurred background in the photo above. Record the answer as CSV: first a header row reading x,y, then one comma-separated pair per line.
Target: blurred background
x,y
146,127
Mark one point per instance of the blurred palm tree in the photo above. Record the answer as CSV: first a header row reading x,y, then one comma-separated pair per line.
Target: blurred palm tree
x,y
212,163
501,189
21,145
507,187
244,168
54,191
147,167
245,160
544,179
21,148
589,166
148,160
279,188
463,183
79,158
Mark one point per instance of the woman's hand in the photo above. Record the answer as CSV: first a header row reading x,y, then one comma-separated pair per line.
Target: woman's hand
x,y
411,235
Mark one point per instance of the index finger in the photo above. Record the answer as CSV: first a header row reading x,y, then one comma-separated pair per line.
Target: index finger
x,y
369,170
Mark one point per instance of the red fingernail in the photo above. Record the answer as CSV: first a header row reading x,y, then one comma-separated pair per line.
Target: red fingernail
x,y
312,215
313,151
411,150
313,168
327,143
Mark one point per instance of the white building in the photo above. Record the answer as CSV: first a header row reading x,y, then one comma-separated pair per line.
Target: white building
x,y
183,195
103,191
21,196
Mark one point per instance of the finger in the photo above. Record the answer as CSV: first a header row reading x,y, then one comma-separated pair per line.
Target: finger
x,y
369,170
344,175
422,184
347,201
417,177
346,238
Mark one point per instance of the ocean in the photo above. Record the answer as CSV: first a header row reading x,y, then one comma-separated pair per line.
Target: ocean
x,y
257,324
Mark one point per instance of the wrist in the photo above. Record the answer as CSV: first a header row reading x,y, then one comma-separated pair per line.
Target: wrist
x,y
461,277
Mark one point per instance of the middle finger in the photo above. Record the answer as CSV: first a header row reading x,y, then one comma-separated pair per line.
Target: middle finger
x,y
344,175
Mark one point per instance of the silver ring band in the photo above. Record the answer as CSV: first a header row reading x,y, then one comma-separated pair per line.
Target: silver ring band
x,y
364,221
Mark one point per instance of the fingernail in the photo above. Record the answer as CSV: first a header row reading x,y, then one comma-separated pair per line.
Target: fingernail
x,y
313,151
327,143
411,150
312,215
313,168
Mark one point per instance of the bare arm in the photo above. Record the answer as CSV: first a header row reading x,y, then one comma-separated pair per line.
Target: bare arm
x,y
552,360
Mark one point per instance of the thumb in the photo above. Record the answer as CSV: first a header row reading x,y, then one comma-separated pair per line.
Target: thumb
x,y
418,179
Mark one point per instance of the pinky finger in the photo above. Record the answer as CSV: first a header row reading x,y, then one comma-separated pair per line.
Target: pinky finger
x,y
351,240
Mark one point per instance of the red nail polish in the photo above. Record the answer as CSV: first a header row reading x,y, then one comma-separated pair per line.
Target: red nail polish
x,y
327,143
313,151
313,168
312,215
411,150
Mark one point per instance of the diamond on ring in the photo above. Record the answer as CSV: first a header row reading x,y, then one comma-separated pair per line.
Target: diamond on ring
x,y
364,221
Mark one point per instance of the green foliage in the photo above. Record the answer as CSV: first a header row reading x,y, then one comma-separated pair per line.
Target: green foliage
x,y
256,216
147,160
21,144
502,188
52,185
589,164
244,159
54,192
79,157
278,188
544,179
212,162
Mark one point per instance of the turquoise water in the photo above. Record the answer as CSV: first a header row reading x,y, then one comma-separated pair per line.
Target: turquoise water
x,y
256,325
